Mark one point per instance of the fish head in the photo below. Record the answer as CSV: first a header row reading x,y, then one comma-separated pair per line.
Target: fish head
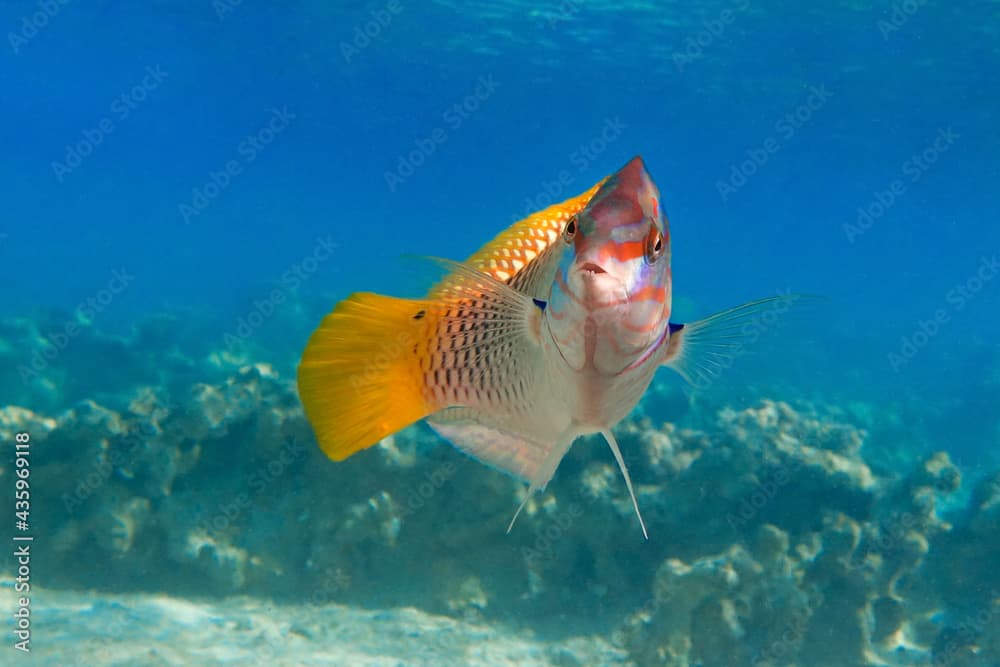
x,y
609,304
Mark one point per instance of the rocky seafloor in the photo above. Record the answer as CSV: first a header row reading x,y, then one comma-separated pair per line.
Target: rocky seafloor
x,y
186,504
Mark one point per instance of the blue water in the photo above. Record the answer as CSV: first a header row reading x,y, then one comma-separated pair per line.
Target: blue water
x,y
848,151
847,95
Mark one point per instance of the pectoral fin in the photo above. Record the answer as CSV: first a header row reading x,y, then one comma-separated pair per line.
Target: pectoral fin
x,y
701,350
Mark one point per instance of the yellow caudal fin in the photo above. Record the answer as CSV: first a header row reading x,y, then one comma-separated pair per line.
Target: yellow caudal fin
x,y
360,377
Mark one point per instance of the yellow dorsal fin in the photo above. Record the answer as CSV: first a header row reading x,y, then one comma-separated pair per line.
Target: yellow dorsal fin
x,y
518,245
360,377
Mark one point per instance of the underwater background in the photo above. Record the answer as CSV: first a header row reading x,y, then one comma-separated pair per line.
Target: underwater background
x,y
190,186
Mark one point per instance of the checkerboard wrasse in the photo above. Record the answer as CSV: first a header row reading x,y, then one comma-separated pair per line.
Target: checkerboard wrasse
x,y
551,331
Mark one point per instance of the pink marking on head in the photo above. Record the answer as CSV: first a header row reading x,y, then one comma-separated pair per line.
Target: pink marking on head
x,y
612,290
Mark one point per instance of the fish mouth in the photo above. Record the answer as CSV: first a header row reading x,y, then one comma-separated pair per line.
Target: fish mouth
x,y
592,269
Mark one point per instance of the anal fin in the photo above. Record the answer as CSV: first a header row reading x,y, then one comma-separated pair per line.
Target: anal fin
x,y
527,459
523,457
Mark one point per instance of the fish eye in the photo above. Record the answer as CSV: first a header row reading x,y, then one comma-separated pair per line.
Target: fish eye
x,y
570,230
654,245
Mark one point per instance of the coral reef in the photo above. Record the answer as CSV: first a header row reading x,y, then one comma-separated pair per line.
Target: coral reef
x,y
827,563
773,541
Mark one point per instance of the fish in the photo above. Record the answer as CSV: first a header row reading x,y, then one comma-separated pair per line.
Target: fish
x,y
552,331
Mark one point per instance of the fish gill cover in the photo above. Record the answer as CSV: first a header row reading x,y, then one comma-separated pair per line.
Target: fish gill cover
x,y
192,186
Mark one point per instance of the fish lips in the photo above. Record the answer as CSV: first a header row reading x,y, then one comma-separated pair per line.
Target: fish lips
x,y
597,287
